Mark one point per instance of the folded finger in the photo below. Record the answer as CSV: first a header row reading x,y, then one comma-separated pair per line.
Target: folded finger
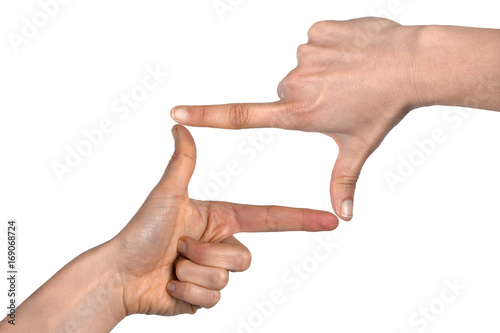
x,y
193,294
229,254
205,276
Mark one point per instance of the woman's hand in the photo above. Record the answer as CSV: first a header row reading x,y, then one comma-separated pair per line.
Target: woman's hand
x,y
172,257
355,80
147,248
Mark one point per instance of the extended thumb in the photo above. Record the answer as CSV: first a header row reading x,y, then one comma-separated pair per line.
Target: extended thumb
x,y
181,166
343,184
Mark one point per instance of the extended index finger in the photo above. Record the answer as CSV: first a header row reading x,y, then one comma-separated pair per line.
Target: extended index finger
x,y
277,218
233,116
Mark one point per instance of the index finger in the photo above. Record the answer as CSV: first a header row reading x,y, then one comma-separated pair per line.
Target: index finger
x,y
233,116
277,218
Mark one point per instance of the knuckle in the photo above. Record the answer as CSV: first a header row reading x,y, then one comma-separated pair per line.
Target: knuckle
x,y
245,260
217,222
347,180
292,83
306,54
203,112
213,299
221,278
199,253
292,80
185,290
282,89
180,266
317,28
238,115
302,50
178,156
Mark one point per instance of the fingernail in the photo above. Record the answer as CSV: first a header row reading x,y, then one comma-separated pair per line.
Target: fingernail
x,y
171,286
181,247
174,132
179,114
346,209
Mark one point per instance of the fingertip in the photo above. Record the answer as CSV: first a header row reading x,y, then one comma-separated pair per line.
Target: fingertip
x,y
174,132
171,287
326,221
337,209
181,246
342,208
183,138
318,220
178,128
179,113
245,260
330,222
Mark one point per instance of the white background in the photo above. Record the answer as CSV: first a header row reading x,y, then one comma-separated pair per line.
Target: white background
x,y
441,223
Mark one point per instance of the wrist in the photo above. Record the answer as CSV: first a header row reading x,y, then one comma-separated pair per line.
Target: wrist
x,y
409,80
85,295
437,71
110,292
456,66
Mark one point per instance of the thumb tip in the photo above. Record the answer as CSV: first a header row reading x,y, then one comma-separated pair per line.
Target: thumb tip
x,y
174,132
346,209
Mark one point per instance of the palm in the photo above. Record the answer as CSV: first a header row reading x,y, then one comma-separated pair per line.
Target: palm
x,y
151,239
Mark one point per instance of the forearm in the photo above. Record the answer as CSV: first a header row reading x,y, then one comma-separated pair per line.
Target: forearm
x,y
84,296
458,66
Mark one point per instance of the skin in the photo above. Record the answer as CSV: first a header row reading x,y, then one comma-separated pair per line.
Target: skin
x,y
171,258
355,80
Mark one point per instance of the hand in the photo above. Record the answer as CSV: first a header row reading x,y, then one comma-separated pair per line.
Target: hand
x,y
354,83
147,248
172,257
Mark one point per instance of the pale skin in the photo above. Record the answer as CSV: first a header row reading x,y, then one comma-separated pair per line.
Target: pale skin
x,y
173,257
355,80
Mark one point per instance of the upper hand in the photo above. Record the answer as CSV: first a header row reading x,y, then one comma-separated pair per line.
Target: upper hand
x,y
353,82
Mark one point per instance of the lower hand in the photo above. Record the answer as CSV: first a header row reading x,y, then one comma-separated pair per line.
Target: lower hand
x,y
146,250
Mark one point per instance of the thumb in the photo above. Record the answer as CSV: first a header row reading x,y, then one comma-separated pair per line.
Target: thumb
x,y
234,116
181,166
344,178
